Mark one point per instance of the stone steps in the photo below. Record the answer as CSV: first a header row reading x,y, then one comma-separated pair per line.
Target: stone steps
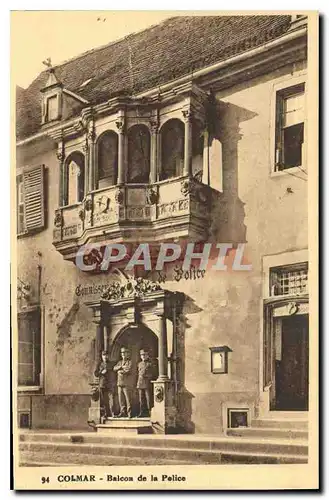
x,y
97,449
276,423
268,432
190,442
37,459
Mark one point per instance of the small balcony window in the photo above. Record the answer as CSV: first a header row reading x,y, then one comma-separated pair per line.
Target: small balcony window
x,y
138,154
107,156
75,179
290,117
172,149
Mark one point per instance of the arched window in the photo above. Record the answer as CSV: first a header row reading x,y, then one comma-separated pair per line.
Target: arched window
x,y
172,149
138,154
107,159
75,178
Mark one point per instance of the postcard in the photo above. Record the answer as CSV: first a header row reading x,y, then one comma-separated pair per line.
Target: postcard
x,y
164,250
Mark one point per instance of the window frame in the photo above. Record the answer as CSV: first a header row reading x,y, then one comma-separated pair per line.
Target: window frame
x,y
24,312
275,272
281,87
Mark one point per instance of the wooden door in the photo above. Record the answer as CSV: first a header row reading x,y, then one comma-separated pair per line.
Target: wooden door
x,y
292,370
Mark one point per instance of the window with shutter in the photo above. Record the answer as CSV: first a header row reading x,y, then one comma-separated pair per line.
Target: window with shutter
x,y
31,200
29,348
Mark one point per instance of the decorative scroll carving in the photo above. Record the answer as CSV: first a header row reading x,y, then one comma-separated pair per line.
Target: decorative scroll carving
x,y
151,196
119,196
58,220
60,153
120,124
103,203
187,114
158,394
88,204
133,288
85,145
293,308
187,187
94,393
154,125
91,134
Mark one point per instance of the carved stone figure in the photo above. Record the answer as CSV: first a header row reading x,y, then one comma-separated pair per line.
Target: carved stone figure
x,y
146,373
125,383
105,374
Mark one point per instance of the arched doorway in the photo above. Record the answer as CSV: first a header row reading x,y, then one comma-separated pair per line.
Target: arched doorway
x,y
135,338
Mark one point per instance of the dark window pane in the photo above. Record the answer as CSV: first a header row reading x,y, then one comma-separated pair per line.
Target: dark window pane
x,y
29,348
172,149
107,160
293,138
25,352
138,154
25,375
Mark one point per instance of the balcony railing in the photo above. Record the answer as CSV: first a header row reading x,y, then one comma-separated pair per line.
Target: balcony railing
x,y
166,210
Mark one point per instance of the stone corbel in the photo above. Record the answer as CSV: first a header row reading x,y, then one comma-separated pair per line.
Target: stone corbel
x,y
187,114
91,131
120,124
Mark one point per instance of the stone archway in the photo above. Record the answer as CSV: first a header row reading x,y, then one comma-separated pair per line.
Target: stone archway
x,y
135,338
132,311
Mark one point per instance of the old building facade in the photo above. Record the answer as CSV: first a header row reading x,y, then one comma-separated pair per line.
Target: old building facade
x,y
199,137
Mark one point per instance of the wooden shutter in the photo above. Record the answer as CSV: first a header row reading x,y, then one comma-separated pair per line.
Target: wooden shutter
x,y
34,198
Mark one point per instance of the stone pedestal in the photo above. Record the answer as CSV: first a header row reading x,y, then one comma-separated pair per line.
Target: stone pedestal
x,y
95,409
163,415
126,426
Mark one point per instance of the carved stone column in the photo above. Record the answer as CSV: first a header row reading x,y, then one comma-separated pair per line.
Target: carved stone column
x,y
154,151
188,143
164,411
85,149
91,137
163,349
121,151
99,344
95,415
61,173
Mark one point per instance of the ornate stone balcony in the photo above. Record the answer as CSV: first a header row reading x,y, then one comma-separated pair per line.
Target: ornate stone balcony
x,y
165,210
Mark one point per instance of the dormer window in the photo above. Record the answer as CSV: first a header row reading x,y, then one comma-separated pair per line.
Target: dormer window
x,y
52,108
52,98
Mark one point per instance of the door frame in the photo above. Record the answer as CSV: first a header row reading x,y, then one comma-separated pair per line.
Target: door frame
x,y
277,307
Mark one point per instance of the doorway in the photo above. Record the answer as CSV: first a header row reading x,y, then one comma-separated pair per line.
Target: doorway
x,y
134,338
292,364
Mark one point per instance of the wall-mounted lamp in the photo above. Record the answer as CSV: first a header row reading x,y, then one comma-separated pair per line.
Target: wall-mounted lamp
x,y
219,359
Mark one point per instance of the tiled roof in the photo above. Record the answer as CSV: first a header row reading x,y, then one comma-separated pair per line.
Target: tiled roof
x,y
176,47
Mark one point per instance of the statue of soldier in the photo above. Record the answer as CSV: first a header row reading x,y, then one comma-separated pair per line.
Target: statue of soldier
x,y
124,383
146,373
106,377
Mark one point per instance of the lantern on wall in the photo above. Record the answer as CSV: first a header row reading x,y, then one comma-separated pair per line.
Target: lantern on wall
x,y
219,359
